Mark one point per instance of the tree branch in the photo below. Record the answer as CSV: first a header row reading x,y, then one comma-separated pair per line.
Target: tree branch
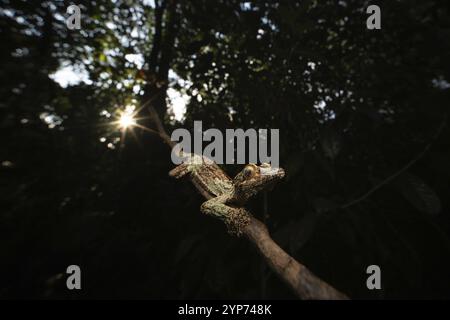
x,y
302,281
152,59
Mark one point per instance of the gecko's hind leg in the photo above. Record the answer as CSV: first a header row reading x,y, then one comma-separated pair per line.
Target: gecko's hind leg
x,y
179,171
234,218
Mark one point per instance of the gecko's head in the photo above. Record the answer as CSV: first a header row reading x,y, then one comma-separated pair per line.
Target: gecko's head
x,y
254,178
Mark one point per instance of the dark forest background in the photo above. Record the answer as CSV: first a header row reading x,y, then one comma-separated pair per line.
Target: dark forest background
x,y
364,138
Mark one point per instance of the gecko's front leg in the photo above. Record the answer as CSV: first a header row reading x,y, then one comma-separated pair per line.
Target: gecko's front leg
x,y
235,218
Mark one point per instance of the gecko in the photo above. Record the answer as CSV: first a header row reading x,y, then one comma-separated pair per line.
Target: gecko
x,y
228,196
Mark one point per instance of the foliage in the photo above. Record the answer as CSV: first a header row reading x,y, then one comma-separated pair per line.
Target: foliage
x,y
354,107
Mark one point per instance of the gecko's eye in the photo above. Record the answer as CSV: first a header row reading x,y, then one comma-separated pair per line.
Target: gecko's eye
x,y
249,171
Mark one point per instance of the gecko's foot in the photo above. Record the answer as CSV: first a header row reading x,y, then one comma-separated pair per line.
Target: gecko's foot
x,y
236,219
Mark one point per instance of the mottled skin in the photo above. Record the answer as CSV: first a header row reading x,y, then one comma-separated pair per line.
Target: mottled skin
x,y
228,196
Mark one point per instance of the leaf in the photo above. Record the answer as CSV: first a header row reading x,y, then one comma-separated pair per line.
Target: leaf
x,y
102,57
418,193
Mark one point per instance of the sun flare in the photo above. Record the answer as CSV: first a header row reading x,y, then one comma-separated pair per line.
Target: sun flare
x,y
126,120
